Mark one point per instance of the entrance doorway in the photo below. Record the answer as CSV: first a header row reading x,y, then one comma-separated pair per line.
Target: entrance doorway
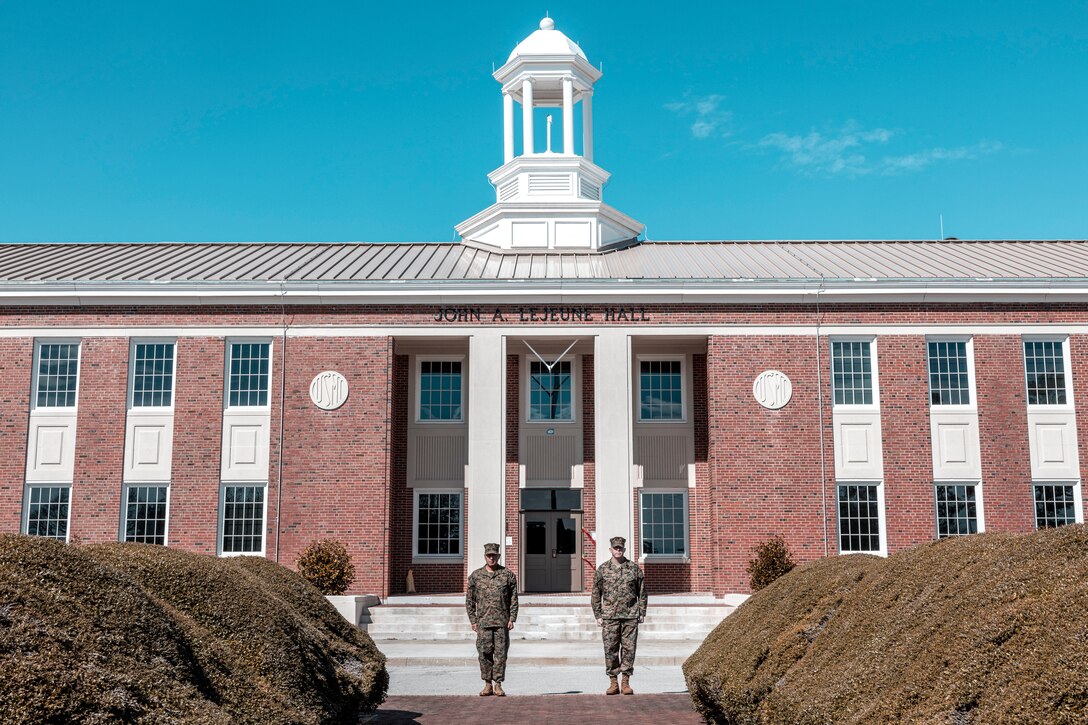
x,y
552,551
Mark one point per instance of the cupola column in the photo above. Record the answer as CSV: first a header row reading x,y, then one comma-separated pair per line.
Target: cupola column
x,y
568,116
587,125
527,117
507,128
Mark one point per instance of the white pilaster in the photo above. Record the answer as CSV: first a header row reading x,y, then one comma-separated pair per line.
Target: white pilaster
x,y
587,125
527,117
612,410
568,116
507,127
485,477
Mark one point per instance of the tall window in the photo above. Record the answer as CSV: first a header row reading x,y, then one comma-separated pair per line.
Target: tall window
x,y
949,373
438,523
1055,505
153,375
243,519
58,374
248,374
550,391
1044,365
859,518
660,390
957,513
664,523
440,390
852,372
47,511
145,514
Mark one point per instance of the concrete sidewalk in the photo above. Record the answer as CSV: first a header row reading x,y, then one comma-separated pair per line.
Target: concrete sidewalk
x,y
455,653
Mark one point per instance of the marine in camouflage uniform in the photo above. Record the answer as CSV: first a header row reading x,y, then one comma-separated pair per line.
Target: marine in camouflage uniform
x,y
492,603
619,606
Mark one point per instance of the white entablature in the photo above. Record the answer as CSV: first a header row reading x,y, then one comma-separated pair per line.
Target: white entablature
x,y
547,198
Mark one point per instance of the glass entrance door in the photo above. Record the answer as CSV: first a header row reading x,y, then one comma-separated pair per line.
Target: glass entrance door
x,y
552,551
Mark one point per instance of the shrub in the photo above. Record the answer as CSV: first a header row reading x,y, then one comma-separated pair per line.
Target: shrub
x,y
772,560
327,565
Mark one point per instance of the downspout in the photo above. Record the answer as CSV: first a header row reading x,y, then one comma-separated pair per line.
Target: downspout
x,y
820,398
283,404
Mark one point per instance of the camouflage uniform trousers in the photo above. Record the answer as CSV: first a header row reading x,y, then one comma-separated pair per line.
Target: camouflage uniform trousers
x,y
492,644
620,639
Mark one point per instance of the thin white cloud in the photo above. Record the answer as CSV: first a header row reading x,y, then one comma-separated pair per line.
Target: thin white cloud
x,y
709,118
854,151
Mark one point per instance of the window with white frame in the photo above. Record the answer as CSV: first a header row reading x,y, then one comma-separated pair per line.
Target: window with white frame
x,y
57,374
661,390
248,372
957,510
438,523
663,519
242,511
550,391
47,511
1055,504
859,517
949,373
145,514
1044,367
152,374
440,390
852,372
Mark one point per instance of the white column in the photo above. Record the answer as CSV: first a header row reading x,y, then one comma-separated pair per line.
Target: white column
x,y
587,125
612,408
527,117
568,116
485,475
507,128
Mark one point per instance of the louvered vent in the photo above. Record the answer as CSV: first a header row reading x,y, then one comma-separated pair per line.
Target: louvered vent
x,y
508,190
590,191
549,184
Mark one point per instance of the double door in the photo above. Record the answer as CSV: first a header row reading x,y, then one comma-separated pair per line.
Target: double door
x,y
552,551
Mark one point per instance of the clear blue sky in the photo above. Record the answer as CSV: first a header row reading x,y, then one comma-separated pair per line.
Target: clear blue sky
x,y
258,121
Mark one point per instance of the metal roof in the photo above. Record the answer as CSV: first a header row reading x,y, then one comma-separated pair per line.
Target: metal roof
x,y
706,261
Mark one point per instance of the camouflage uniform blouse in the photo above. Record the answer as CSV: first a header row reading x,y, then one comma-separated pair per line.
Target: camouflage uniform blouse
x,y
492,597
619,591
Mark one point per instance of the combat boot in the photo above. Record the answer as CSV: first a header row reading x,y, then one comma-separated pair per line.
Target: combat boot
x,y
613,686
487,689
498,690
627,685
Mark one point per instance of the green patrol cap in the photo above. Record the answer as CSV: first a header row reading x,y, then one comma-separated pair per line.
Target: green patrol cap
x,y
616,541
491,549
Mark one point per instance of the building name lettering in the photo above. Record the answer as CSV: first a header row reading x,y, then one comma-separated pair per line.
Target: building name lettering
x,y
542,314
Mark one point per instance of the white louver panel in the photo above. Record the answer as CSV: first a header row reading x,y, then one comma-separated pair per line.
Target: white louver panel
x,y
549,184
590,191
508,190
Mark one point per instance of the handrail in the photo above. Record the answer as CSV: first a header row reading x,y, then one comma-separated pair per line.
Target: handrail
x,y
589,536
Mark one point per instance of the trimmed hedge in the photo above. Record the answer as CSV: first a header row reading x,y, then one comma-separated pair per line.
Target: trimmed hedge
x,y
988,628
142,633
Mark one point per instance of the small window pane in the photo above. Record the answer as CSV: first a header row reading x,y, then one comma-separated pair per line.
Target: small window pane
x,y
248,379
145,515
956,510
439,529
852,373
58,372
948,374
153,375
659,537
243,519
440,390
550,391
660,390
1044,365
47,512
1054,505
859,518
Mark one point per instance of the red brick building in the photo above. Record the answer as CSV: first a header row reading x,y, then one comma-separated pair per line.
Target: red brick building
x,y
547,383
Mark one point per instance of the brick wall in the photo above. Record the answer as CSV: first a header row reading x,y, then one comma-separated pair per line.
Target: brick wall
x,y
589,475
16,363
1078,353
510,558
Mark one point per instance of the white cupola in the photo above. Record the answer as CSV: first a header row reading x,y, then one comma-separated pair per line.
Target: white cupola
x,y
548,198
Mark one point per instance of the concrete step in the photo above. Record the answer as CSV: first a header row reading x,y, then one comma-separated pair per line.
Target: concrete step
x,y
532,653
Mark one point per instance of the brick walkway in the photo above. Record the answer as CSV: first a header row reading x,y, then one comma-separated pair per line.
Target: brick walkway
x,y
597,709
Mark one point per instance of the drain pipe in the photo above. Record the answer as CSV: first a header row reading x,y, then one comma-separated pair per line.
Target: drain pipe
x,y
283,404
820,399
